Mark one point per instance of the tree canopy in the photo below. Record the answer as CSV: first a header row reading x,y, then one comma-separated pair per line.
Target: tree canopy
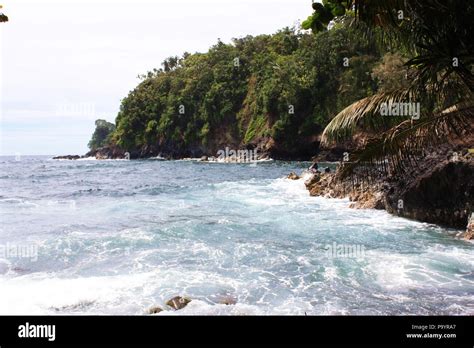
x,y
3,17
285,87
101,135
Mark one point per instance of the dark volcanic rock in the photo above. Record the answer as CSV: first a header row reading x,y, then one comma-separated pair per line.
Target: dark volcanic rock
x,y
441,192
68,157
437,190
109,152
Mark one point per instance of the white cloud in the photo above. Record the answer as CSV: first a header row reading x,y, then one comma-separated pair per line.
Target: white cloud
x,y
91,51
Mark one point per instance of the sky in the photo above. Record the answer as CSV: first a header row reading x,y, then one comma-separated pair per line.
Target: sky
x,y
66,63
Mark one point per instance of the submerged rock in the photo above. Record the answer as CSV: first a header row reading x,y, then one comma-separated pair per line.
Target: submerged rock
x,y
178,302
228,300
155,310
293,176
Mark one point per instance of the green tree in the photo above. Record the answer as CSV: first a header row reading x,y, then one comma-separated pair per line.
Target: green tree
x,y
3,17
437,37
286,86
101,135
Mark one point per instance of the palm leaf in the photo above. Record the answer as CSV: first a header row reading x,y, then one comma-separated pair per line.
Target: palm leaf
x,y
364,114
404,144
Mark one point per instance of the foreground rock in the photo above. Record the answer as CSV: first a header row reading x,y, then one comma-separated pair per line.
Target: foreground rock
x,y
293,176
178,302
440,189
155,310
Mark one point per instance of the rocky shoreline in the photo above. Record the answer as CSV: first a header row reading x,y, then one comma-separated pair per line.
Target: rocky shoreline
x,y
439,190
266,147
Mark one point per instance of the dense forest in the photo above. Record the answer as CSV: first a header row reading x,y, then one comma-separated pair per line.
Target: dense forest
x,y
275,92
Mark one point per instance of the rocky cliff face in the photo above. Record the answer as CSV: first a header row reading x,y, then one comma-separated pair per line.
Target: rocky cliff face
x,y
443,195
469,234
440,189
106,152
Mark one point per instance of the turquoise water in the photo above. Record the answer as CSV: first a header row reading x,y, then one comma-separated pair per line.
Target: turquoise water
x,y
117,237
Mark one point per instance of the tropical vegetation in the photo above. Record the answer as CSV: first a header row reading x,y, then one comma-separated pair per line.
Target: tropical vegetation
x,y
281,89
436,37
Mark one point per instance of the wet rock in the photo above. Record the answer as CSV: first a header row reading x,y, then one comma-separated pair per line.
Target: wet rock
x,y
155,310
228,300
204,159
68,157
293,176
178,302
441,192
368,200
469,234
436,190
311,180
325,185
109,152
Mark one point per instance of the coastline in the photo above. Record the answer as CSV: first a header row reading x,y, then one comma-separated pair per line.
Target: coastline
x,y
439,190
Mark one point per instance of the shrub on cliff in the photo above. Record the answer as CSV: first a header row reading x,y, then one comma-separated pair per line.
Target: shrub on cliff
x,y
101,135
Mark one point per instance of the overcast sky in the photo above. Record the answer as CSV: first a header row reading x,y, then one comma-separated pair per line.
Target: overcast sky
x,y
66,63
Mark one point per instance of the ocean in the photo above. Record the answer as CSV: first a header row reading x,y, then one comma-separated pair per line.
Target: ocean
x,y
119,237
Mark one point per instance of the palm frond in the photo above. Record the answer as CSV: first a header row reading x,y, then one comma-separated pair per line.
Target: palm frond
x,y
403,145
365,114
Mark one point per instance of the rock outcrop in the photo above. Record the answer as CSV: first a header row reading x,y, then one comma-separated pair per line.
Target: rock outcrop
x,y
361,195
178,302
439,189
68,157
155,310
293,176
469,234
109,152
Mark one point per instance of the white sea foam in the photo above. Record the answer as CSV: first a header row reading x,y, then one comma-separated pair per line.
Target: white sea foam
x,y
259,241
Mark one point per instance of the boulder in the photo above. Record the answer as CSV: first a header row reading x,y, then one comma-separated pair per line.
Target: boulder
x,y
178,302
469,234
154,310
293,176
368,200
